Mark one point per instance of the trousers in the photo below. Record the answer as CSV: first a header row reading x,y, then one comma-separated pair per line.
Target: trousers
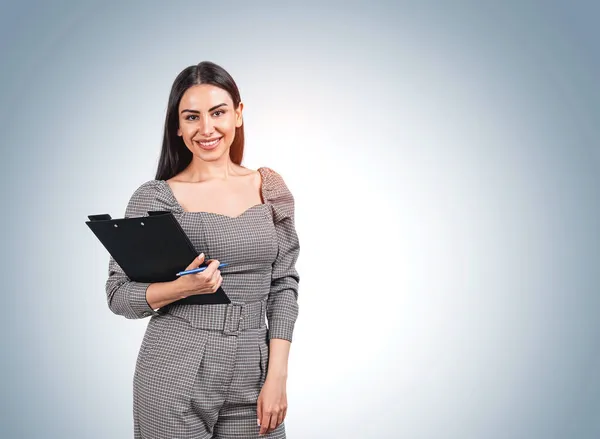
x,y
199,373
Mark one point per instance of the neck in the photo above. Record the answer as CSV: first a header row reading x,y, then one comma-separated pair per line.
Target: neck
x,y
201,170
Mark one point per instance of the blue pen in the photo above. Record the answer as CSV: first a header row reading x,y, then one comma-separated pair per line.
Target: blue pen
x,y
197,270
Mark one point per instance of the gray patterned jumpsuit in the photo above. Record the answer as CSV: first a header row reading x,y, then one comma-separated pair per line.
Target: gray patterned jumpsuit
x,y
200,368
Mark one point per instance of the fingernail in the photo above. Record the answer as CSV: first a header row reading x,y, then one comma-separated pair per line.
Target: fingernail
x,y
201,255
258,422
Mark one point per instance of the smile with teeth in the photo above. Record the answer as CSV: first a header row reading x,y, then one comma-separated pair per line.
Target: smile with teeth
x,y
209,144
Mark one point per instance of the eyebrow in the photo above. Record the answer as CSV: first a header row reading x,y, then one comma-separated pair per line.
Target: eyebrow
x,y
210,109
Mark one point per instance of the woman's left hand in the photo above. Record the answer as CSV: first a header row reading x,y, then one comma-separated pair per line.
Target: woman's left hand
x,y
271,404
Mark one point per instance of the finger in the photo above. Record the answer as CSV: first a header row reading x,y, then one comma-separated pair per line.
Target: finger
x,y
219,283
211,268
264,422
196,262
214,279
274,419
209,284
258,411
216,284
281,417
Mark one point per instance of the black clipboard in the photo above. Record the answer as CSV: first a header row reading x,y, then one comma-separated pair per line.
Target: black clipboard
x,y
151,248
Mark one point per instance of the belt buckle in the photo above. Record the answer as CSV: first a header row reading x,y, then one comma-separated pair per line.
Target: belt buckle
x,y
233,319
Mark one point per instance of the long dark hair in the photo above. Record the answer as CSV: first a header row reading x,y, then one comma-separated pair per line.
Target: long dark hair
x,y
174,156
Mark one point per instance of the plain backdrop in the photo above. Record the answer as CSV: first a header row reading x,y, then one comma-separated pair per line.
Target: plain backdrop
x,y
444,161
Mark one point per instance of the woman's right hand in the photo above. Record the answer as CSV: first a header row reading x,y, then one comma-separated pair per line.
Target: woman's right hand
x,y
205,282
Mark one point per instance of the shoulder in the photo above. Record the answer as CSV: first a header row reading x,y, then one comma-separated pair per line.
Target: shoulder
x,y
141,199
273,181
276,192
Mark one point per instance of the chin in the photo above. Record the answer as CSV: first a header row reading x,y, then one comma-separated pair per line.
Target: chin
x,y
210,156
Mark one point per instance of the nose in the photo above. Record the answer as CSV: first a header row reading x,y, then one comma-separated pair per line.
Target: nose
x,y
206,126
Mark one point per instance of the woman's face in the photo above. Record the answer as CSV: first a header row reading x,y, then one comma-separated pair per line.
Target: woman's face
x,y
207,120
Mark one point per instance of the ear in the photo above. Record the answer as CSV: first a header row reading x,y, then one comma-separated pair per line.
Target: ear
x,y
238,115
179,132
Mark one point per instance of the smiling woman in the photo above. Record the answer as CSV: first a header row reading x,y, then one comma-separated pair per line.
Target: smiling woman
x,y
207,128
204,106
214,371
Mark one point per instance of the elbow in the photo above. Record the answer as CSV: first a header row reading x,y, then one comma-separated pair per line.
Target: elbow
x,y
117,301
128,299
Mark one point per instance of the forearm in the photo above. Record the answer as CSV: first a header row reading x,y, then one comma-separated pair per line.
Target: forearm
x,y
160,294
136,300
282,312
279,351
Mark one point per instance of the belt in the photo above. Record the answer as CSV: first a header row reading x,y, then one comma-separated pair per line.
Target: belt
x,y
231,318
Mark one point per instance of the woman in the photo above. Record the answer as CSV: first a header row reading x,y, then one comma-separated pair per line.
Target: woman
x,y
213,370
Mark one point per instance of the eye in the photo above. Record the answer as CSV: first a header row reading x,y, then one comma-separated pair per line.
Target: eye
x,y
189,117
219,111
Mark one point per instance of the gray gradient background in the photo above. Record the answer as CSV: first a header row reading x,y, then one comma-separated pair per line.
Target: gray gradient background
x,y
451,149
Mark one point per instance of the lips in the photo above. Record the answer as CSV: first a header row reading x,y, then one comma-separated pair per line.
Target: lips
x,y
209,144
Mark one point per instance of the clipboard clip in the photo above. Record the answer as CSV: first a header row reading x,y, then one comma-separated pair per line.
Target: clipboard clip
x,y
101,217
107,217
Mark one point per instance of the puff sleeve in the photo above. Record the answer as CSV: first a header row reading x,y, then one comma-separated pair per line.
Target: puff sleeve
x,y
125,297
282,303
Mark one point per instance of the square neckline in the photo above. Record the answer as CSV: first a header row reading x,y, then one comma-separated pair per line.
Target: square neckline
x,y
204,212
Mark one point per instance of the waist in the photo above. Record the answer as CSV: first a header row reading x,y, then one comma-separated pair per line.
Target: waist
x,y
229,318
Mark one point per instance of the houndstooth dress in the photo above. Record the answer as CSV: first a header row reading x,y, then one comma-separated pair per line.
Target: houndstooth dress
x,y
200,368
